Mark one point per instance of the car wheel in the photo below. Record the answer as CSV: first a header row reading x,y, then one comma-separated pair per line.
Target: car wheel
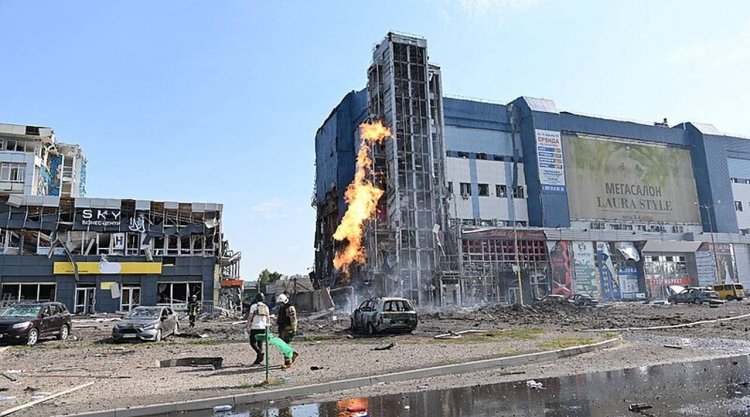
x,y
697,301
730,298
32,337
158,336
64,332
370,329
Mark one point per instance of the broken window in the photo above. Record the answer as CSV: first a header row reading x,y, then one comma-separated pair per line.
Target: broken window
x,y
28,292
85,301
133,244
518,192
12,172
465,189
173,245
176,294
158,246
185,247
501,190
484,190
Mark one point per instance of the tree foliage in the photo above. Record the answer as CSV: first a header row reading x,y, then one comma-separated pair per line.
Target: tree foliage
x,y
266,277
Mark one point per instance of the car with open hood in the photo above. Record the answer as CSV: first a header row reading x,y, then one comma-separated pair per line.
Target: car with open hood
x,y
384,314
29,322
147,323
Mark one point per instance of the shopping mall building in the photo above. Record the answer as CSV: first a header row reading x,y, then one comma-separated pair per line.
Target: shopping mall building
x,y
476,191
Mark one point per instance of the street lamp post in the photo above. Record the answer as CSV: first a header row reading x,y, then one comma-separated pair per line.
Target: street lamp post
x,y
708,207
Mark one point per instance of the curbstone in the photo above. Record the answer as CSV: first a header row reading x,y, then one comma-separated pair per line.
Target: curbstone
x,y
352,383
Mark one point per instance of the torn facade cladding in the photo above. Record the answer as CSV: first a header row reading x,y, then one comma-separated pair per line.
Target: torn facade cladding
x,y
33,162
36,225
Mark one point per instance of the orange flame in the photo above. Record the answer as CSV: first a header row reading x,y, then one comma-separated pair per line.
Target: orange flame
x,y
362,197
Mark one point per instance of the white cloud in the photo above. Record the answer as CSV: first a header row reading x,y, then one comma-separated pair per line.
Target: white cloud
x,y
269,209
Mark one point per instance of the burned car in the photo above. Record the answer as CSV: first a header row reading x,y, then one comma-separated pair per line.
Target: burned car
x,y
384,314
33,321
695,295
147,323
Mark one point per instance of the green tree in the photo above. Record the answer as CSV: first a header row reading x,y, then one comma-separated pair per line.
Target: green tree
x,y
266,277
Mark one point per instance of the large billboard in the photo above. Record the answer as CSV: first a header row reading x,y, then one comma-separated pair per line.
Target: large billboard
x,y
550,160
610,179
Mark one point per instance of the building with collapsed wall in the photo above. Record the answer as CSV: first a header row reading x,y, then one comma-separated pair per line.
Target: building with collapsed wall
x,y
102,254
482,195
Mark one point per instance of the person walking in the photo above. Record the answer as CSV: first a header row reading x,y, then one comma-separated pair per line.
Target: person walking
x,y
194,307
257,321
287,320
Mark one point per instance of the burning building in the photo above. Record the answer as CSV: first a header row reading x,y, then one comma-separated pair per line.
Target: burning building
x,y
485,201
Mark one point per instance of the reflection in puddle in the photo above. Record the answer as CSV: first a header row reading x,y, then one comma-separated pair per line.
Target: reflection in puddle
x,y
716,387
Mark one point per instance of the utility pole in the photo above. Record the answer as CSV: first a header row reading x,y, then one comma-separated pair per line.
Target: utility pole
x,y
511,109
711,231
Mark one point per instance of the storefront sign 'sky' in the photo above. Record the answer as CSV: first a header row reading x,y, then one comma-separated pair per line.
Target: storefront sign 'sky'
x,y
100,217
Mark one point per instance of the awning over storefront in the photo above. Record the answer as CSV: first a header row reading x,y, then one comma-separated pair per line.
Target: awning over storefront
x,y
655,246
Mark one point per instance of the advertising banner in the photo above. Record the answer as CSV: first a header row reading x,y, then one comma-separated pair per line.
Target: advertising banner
x,y
562,275
549,156
585,280
610,284
612,179
628,275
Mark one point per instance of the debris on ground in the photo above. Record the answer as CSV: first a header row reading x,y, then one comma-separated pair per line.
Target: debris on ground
x,y
386,347
9,375
637,408
216,362
534,384
456,335
673,346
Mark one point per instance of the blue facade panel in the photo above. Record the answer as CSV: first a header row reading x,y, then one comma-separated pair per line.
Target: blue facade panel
x,y
738,168
490,142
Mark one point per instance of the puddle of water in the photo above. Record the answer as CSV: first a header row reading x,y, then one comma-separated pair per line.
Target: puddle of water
x,y
716,387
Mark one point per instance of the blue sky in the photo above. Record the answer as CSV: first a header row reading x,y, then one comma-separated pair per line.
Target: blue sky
x,y
219,101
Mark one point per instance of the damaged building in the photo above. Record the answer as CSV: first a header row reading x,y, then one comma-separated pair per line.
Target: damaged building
x,y
481,196
103,254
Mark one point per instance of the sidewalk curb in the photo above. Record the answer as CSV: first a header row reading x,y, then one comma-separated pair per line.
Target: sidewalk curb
x,y
327,387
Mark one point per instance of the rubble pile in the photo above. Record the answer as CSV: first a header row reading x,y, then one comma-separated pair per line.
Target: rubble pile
x,y
557,313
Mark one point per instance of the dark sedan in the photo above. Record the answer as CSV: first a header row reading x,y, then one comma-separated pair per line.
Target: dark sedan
x,y
31,322
147,323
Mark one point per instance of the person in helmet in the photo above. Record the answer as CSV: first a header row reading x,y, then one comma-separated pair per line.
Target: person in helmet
x,y
257,321
287,320
194,308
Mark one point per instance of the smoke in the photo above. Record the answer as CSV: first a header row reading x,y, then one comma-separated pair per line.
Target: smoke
x,y
362,197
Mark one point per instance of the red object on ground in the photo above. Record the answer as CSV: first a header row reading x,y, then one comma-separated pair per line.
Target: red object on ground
x,y
356,408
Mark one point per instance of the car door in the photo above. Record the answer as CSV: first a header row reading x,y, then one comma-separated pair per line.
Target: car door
x,y
359,314
47,321
57,319
167,325
172,319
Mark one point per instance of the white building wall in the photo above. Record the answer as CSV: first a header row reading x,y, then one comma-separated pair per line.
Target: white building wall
x,y
492,173
741,193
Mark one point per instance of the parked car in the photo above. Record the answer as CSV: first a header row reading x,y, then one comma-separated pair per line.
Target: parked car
x,y
33,321
384,314
147,323
695,295
729,292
